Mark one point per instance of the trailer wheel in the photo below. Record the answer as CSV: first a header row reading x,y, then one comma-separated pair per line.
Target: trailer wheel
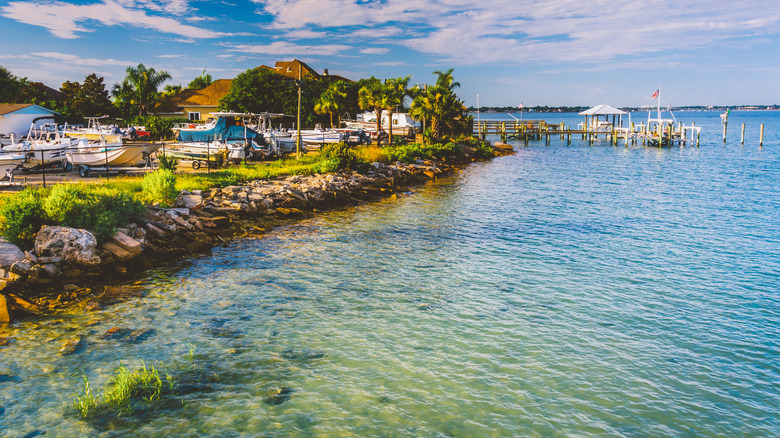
x,y
67,165
83,171
196,164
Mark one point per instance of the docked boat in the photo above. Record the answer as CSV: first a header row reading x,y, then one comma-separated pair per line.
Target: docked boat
x,y
9,161
317,137
99,154
43,146
403,123
94,131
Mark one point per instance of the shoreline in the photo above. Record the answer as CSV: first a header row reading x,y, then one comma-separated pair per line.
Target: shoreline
x,y
46,282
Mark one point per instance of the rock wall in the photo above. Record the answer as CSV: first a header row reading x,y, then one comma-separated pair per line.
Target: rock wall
x,y
68,267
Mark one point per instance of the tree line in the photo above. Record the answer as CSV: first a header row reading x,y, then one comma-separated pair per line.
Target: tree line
x,y
324,101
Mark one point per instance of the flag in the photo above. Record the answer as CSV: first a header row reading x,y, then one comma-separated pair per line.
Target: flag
x,y
521,106
655,94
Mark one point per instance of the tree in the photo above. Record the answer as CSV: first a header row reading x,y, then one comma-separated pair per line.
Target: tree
x,y
440,105
124,103
331,101
255,90
144,84
370,97
394,92
201,82
10,87
87,99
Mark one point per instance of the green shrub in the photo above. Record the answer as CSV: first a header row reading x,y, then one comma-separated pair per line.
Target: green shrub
x,y
168,162
160,187
341,155
22,216
96,208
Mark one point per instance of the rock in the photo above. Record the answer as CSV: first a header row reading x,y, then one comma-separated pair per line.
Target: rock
x,y
20,268
31,257
221,221
138,336
47,260
19,303
155,230
70,288
116,333
502,146
5,341
72,346
77,247
5,312
278,396
9,254
302,353
189,201
127,243
120,254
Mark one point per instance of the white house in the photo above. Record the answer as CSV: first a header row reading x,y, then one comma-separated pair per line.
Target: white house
x,y
16,118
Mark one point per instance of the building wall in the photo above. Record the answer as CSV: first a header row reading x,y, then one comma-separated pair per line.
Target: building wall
x,y
19,124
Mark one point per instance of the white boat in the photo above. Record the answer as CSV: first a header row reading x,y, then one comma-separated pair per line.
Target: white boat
x,y
43,145
403,123
101,154
315,138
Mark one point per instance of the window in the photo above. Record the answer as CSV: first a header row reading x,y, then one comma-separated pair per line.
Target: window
x,y
194,116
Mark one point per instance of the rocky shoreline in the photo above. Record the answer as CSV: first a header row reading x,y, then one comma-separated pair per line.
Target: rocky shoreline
x,y
67,268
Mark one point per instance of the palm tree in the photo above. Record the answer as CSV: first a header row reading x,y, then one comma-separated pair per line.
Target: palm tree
x,y
439,105
201,82
370,97
331,101
145,83
446,80
395,91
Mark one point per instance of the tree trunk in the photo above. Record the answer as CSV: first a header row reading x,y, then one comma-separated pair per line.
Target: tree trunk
x,y
331,120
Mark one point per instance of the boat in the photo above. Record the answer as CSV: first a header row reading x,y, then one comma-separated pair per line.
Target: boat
x,y
43,146
403,123
101,154
9,161
315,138
94,131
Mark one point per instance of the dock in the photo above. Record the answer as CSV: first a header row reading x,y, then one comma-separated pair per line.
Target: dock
x,y
670,134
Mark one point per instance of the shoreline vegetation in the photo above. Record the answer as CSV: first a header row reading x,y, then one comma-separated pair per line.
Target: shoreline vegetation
x,y
64,266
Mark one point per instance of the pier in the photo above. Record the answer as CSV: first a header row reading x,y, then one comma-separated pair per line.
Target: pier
x,y
651,135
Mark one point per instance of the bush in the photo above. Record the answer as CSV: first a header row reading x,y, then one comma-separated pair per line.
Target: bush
x,y
96,208
22,216
168,162
341,156
160,187
158,128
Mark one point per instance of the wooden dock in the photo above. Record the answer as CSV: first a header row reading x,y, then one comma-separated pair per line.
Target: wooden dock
x,y
540,130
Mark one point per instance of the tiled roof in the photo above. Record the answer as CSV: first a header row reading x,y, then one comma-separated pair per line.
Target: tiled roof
x,y
208,96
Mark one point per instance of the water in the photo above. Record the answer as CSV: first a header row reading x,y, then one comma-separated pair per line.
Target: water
x,y
563,291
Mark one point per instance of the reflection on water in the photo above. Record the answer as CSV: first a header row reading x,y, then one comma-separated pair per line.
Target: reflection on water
x,y
581,290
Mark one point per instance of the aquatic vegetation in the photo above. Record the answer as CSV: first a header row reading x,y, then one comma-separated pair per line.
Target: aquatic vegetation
x,y
126,393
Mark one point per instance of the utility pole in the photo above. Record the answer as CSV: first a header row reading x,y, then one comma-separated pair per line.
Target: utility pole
x,y
298,142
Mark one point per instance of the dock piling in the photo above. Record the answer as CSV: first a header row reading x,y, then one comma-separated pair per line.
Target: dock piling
x,y
761,137
742,138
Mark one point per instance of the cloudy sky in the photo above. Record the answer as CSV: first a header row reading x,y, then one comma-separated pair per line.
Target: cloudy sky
x,y
507,52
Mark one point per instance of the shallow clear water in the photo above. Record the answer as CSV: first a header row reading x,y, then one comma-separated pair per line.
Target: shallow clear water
x,y
566,290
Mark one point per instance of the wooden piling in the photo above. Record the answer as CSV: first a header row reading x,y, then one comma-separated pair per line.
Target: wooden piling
x,y
761,137
742,138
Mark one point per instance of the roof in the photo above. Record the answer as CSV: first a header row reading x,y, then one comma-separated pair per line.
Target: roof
x,y
8,108
603,110
208,96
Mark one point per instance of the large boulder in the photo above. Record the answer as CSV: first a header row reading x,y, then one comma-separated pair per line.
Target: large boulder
x,y
9,254
77,247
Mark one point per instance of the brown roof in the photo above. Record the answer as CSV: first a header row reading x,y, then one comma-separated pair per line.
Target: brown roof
x,y
290,69
208,96
7,108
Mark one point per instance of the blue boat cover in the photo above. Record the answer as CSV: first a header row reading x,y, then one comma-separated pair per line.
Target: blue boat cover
x,y
227,128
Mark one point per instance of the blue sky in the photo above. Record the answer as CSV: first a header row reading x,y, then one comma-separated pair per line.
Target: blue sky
x,y
535,52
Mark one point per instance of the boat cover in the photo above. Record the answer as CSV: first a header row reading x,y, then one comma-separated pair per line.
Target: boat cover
x,y
227,128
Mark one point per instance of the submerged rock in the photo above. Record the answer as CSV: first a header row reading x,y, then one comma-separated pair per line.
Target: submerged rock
x,y
72,346
278,396
302,354
116,333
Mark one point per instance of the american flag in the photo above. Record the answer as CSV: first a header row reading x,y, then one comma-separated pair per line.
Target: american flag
x,y
655,93
521,106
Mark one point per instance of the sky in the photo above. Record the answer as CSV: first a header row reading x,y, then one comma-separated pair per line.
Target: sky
x,y
504,52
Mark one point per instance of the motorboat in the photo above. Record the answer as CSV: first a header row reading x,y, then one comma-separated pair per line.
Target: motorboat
x,y
315,138
9,161
94,131
100,154
403,123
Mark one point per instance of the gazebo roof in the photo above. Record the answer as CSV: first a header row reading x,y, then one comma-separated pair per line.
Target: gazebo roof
x,y
603,110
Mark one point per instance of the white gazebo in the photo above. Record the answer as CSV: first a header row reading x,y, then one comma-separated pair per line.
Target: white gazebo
x,y
593,122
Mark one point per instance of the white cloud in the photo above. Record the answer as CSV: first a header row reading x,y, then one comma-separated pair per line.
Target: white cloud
x,y
468,32
65,20
375,50
285,48
81,60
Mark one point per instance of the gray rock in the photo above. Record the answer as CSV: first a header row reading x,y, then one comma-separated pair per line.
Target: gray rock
x,y
77,247
9,254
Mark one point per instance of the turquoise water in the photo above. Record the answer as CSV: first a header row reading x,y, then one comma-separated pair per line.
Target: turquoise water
x,y
562,291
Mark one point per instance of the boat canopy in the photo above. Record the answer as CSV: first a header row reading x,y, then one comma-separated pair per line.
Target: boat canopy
x,y
226,128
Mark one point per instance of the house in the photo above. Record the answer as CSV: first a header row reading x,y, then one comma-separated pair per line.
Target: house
x,y
196,104
16,118
290,69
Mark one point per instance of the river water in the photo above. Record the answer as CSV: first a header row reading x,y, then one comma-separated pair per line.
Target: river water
x,y
562,291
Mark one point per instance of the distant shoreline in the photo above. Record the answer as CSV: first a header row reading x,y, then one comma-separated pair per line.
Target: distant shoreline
x,y
577,109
